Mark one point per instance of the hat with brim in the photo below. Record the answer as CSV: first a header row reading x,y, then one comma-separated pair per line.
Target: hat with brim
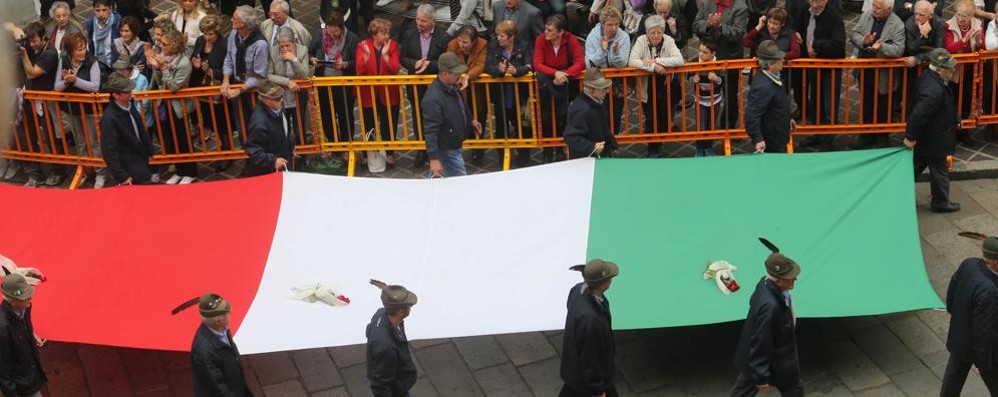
x,y
122,63
448,62
990,248
779,266
270,90
119,83
594,79
597,270
769,51
941,58
212,305
395,296
15,286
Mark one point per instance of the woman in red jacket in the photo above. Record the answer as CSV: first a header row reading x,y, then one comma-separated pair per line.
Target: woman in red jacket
x,y
557,58
379,56
964,34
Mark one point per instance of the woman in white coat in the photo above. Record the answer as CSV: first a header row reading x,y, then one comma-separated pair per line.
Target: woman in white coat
x,y
654,52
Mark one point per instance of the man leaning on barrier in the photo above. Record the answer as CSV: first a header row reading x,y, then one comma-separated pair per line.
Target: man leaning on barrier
x,y
270,140
588,131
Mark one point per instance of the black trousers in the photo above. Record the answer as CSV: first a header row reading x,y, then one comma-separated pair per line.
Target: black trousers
x,y
956,375
553,123
568,391
384,126
938,177
336,106
882,103
745,387
175,140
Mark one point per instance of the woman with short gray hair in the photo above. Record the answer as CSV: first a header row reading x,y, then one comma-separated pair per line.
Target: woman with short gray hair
x,y
654,52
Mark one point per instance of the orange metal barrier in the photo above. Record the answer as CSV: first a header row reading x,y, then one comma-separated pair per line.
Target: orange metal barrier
x,y
851,96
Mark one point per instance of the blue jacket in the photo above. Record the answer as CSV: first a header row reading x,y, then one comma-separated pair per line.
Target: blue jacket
x,y
445,125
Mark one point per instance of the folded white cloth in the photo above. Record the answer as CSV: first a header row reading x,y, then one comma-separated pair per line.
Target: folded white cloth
x,y
318,292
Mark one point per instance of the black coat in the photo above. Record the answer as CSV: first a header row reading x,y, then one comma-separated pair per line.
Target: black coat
x,y
445,126
933,119
767,349
21,371
390,369
126,155
588,359
588,123
972,302
829,32
215,59
917,46
216,367
348,54
767,114
266,141
410,50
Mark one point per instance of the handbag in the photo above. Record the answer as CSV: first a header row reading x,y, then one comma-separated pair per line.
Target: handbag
x,y
630,19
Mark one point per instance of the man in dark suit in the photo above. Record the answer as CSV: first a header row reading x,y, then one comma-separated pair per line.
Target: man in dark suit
x,y
214,355
972,302
767,110
932,124
588,360
271,139
419,49
529,23
390,369
125,143
767,349
823,35
21,371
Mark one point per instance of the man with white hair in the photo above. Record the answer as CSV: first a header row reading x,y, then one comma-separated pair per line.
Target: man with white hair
x,y
280,17
878,34
419,48
246,61
924,31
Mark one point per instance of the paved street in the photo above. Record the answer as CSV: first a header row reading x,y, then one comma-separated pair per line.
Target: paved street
x,y
890,355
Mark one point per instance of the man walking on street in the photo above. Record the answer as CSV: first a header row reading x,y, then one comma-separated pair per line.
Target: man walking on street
x,y
972,302
21,373
447,120
767,350
588,357
214,356
390,368
932,124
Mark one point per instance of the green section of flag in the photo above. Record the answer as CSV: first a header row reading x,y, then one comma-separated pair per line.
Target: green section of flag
x,y
848,218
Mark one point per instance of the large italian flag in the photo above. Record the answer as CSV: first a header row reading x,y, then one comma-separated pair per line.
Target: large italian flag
x,y
486,254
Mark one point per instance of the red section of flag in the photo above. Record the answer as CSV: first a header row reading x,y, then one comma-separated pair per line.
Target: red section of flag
x,y
119,259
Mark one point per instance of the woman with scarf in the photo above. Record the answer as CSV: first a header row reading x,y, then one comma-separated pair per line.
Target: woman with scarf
x,y
173,72
130,45
331,54
653,52
507,58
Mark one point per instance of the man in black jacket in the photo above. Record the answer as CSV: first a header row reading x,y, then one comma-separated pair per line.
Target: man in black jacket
x,y
124,142
447,119
724,22
588,364
21,373
390,369
767,111
924,31
767,349
932,124
823,35
972,302
214,356
587,132
270,142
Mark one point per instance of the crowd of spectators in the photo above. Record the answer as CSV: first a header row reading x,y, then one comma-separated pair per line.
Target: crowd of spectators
x,y
224,43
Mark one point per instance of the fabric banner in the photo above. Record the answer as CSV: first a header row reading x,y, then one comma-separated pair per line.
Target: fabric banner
x,y
486,254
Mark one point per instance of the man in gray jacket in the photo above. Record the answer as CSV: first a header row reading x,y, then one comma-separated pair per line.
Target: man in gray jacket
x,y
879,34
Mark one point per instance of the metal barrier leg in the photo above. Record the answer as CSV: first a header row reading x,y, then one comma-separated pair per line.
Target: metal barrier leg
x,y
505,159
351,162
77,178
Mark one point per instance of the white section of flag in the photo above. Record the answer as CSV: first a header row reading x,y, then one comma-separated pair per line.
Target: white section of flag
x,y
486,254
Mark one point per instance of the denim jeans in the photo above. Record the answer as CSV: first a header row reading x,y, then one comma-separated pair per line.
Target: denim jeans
x,y
453,162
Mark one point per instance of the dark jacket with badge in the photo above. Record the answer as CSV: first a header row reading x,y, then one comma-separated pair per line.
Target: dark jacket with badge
x,y
767,349
126,155
933,119
266,141
588,359
767,114
446,121
588,123
972,302
390,369
216,367
21,371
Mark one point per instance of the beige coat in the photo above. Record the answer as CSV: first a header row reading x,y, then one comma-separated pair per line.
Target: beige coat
x,y
670,56
302,36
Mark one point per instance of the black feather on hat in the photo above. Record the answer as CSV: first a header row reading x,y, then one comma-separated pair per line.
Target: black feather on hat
x,y
768,244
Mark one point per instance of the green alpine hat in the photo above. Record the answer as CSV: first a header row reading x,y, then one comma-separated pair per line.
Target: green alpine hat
x,y
990,247
597,270
449,62
15,286
119,83
779,266
270,90
210,305
395,296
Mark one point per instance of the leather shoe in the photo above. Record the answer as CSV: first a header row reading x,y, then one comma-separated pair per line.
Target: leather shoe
x,y
948,207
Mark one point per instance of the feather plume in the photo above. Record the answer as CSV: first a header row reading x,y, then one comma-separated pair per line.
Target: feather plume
x,y
771,246
185,305
578,268
973,235
379,284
